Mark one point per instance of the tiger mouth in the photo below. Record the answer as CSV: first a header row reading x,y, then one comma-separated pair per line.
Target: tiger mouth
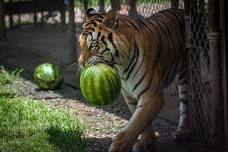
x,y
95,60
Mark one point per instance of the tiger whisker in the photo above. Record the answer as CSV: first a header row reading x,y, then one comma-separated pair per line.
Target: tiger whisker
x,y
69,67
75,67
78,71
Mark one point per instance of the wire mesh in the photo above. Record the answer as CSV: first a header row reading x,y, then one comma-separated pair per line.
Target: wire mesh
x,y
200,73
143,8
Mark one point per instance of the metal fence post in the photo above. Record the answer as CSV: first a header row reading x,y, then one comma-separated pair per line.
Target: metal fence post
x,y
216,87
188,48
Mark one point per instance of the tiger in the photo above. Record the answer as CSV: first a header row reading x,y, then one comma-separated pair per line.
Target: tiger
x,y
148,53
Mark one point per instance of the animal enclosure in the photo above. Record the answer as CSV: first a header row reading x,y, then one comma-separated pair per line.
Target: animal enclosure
x,y
206,42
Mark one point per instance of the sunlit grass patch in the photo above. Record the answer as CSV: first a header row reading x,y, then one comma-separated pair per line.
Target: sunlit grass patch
x,y
11,83
28,125
5,76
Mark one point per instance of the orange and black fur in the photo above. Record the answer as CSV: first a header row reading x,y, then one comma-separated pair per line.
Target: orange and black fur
x,y
148,54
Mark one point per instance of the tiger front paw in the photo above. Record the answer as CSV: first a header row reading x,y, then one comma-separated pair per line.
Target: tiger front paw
x,y
123,142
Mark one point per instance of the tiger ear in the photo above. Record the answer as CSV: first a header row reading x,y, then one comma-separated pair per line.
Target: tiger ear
x,y
111,19
91,12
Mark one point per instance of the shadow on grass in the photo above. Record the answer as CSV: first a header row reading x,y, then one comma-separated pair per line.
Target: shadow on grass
x,y
66,141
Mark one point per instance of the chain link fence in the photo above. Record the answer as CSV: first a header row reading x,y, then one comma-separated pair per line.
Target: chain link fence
x,y
200,73
144,8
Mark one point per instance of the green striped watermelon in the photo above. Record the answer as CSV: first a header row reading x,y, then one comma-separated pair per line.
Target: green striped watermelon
x,y
100,84
48,76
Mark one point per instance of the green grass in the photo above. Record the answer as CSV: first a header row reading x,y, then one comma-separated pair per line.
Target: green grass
x,y
5,76
8,87
28,125
9,76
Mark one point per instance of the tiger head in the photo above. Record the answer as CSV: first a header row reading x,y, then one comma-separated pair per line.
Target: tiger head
x,y
102,40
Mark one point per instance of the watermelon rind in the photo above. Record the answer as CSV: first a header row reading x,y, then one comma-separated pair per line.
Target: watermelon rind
x,y
100,84
48,76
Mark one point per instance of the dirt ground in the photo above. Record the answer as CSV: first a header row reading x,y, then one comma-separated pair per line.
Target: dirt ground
x,y
102,123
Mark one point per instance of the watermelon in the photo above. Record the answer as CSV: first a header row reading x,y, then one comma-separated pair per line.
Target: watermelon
x,y
48,76
100,84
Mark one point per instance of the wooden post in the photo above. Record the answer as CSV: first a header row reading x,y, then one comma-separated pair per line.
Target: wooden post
x,y
175,3
72,33
10,16
2,22
85,3
19,14
214,36
224,22
42,17
35,17
101,6
63,13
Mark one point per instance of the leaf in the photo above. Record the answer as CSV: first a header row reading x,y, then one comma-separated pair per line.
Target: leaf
x,y
17,72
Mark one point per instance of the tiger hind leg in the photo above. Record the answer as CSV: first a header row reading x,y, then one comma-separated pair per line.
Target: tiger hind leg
x,y
182,133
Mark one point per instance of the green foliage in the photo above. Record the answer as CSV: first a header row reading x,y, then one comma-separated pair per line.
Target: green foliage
x,y
8,77
28,125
